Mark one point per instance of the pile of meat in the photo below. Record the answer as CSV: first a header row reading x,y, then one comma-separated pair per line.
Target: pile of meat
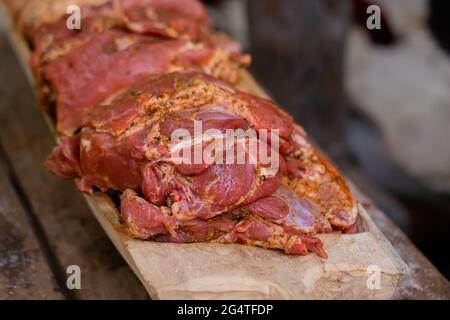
x,y
137,71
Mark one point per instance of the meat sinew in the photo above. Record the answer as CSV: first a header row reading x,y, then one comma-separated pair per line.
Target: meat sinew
x,y
127,145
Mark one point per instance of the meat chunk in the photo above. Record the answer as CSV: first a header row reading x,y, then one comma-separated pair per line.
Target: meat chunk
x,y
163,19
127,145
169,18
146,221
110,61
65,160
119,43
143,219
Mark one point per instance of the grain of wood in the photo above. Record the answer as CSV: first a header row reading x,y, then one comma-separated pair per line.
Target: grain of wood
x,y
24,269
425,281
73,233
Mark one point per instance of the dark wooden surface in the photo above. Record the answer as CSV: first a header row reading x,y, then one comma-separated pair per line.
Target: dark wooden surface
x,y
46,226
24,269
59,228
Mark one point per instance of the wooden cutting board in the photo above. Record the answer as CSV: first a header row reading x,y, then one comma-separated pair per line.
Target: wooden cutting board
x,y
217,271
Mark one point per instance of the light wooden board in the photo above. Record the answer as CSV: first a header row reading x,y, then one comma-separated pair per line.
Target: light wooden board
x,y
215,271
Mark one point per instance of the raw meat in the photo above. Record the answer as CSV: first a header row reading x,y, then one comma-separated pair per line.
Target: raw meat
x,y
120,43
126,145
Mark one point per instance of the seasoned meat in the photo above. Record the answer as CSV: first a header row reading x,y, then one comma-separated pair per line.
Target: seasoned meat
x,y
145,220
172,18
126,145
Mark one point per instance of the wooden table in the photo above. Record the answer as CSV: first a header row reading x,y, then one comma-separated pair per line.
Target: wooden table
x,y
46,226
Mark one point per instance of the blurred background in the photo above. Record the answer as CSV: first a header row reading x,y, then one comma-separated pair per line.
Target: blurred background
x,y
377,101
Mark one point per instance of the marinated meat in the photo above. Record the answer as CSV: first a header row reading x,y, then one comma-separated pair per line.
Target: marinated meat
x,y
127,145
119,43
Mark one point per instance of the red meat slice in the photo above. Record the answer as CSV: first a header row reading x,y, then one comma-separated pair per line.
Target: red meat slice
x,y
270,208
213,192
303,213
225,184
265,115
287,208
143,219
155,186
219,120
146,221
115,119
107,164
264,188
122,42
188,166
127,147
259,232
199,230
163,18
295,215
170,18
110,61
64,161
